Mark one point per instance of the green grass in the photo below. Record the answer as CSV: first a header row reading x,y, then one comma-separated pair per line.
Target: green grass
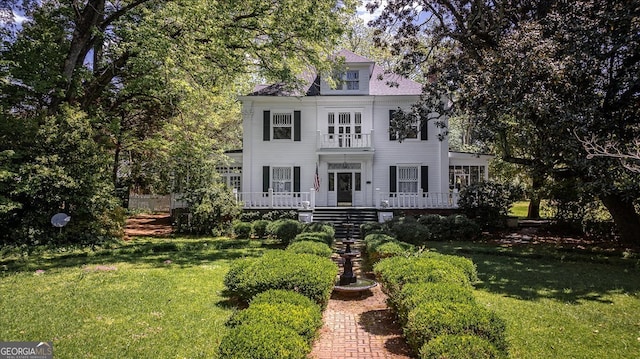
x,y
519,209
160,298
559,305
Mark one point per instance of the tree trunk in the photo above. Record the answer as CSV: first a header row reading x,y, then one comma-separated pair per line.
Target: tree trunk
x,y
625,217
534,207
537,181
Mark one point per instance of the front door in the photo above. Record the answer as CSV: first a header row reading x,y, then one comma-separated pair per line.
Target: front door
x,y
345,189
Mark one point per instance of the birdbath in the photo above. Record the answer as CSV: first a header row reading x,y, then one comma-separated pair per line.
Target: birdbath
x,y
348,282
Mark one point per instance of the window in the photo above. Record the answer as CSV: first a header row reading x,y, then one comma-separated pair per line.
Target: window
x,y
462,176
281,179
349,127
231,176
408,179
352,80
282,126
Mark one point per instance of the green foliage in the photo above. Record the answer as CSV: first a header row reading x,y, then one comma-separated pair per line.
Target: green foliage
x,y
379,246
242,230
371,227
412,295
304,320
432,319
487,202
450,346
450,228
465,264
322,237
285,230
319,227
410,231
213,209
259,228
263,341
395,272
310,247
250,216
280,214
275,296
306,274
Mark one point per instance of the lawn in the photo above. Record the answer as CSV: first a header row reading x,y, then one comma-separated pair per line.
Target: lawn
x,y
155,298
559,305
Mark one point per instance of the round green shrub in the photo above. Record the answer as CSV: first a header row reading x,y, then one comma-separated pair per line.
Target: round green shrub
x,y
376,239
389,249
283,296
432,319
413,295
394,272
263,341
311,247
305,320
259,228
370,228
460,347
285,230
242,230
306,274
319,227
466,264
322,237
411,232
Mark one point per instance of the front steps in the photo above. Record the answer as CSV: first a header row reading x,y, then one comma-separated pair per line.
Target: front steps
x,y
338,216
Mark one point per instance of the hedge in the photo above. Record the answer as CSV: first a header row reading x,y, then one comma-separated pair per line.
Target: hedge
x,y
432,319
394,272
263,341
319,227
311,247
304,320
379,246
460,347
241,230
275,296
322,237
259,228
466,264
306,274
285,230
412,295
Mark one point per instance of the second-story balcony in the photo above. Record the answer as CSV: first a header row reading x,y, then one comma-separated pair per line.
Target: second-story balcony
x,y
348,142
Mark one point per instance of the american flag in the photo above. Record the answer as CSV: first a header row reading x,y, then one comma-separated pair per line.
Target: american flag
x,y
316,180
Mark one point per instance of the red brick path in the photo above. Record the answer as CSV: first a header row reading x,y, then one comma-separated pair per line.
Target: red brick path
x,y
360,328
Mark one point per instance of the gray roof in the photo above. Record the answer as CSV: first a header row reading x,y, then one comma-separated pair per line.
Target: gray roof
x,y
380,83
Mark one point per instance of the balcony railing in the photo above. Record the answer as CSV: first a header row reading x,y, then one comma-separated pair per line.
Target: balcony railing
x,y
271,199
345,141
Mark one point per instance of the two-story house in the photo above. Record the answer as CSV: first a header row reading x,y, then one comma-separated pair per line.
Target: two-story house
x,y
330,146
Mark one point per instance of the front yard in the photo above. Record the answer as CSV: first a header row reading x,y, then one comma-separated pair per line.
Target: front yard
x,y
164,298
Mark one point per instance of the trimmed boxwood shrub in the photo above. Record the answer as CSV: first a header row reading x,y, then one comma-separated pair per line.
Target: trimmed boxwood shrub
x,y
411,232
370,228
319,227
376,239
432,319
389,249
413,295
466,264
306,274
322,237
311,247
305,320
460,347
285,230
283,296
394,272
241,230
263,341
259,228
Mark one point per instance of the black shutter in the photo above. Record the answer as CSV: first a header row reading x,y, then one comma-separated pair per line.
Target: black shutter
x,y
265,178
392,134
423,130
266,125
296,179
424,178
296,125
392,179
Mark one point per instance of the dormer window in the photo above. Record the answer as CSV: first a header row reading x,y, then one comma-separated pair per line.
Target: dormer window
x,y
351,80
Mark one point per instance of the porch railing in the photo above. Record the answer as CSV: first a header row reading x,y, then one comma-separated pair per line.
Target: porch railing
x,y
272,199
421,200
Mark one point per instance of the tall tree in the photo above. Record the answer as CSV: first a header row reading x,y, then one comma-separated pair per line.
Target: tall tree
x,y
130,68
535,76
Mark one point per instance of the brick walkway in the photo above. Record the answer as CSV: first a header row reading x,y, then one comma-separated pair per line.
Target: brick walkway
x,y
359,328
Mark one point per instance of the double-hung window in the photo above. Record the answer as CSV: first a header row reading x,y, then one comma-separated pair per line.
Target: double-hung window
x,y
281,179
351,80
408,179
282,124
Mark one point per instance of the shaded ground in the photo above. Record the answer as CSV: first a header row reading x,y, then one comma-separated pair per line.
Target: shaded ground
x,y
148,225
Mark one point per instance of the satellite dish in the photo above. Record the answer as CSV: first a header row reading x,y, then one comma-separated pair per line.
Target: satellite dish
x,y
60,220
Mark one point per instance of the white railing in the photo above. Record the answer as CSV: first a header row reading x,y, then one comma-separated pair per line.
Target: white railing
x,y
351,140
421,200
271,199
154,203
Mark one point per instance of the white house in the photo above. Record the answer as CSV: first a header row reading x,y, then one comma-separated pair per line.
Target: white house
x,y
331,147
